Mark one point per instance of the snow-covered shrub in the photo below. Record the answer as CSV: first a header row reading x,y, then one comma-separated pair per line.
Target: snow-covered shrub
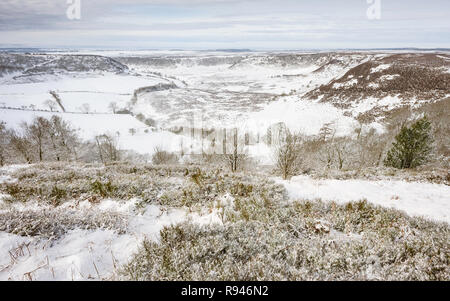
x,y
304,241
54,222
203,187
106,189
161,157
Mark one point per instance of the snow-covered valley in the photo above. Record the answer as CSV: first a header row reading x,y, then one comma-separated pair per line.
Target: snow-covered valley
x,y
89,210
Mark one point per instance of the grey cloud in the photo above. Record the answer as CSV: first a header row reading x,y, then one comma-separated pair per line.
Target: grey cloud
x,y
205,22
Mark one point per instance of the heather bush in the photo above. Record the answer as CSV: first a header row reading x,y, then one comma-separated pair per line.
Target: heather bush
x,y
303,241
52,223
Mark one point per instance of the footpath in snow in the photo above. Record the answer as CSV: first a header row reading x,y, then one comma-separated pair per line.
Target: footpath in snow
x,y
416,199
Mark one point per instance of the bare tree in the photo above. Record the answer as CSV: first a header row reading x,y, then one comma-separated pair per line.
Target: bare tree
x,y
51,105
113,107
37,132
43,139
63,139
163,157
107,146
287,154
341,147
237,157
85,108
21,145
3,143
327,152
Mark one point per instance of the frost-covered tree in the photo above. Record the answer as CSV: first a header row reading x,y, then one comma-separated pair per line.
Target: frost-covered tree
x,y
287,154
3,143
113,107
108,149
63,139
163,157
44,140
52,105
37,132
85,108
237,157
21,145
412,146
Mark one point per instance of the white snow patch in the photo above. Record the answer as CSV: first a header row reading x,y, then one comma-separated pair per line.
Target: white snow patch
x,y
304,116
350,83
367,104
97,90
380,68
388,77
417,199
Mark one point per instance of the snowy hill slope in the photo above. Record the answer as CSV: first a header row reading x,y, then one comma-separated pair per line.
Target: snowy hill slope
x,y
249,90
392,81
24,66
228,90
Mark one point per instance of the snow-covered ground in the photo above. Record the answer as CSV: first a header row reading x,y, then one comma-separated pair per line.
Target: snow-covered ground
x,y
84,254
96,90
87,254
98,254
417,199
249,89
303,116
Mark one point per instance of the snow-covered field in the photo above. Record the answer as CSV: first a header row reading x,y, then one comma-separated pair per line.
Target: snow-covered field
x,y
251,91
96,90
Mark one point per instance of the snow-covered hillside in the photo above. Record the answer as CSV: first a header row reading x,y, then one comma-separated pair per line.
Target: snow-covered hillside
x,y
92,237
252,91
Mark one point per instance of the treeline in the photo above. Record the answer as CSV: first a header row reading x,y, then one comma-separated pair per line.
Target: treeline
x,y
54,139
41,140
410,147
409,144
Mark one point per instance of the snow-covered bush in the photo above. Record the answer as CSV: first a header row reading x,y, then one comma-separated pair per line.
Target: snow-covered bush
x,y
304,241
55,222
163,157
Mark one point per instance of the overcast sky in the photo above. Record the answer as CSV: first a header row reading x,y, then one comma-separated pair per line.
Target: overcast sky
x,y
214,24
